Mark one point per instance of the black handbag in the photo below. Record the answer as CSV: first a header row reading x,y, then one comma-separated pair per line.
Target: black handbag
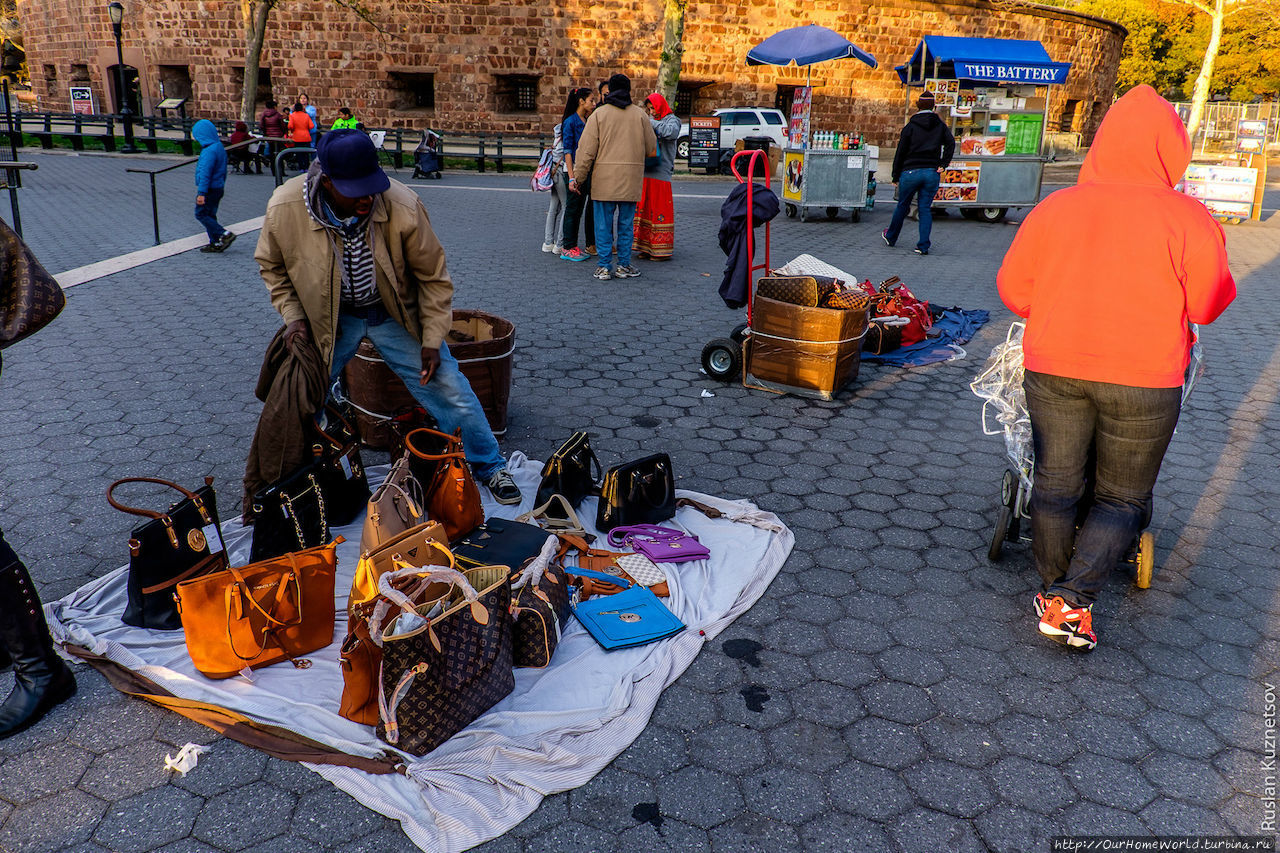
x,y
639,492
342,478
571,471
292,514
183,543
500,542
441,674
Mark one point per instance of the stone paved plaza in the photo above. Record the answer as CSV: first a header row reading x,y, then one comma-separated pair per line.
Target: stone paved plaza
x,y
899,697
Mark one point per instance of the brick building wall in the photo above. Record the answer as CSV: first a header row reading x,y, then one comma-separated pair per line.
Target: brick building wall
x,y
506,65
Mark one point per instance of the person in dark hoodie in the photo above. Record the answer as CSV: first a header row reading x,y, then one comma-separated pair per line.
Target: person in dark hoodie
x,y
1108,273
211,180
925,147
274,125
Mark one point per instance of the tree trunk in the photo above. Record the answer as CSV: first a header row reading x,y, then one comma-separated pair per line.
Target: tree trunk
x,y
256,14
1200,96
672,48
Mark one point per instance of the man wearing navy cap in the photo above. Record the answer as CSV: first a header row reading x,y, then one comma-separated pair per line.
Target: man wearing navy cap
x,y
348,253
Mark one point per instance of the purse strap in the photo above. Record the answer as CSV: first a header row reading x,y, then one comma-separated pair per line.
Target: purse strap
x,y
451,441
620,535
601,576
273,624
147,513
571,524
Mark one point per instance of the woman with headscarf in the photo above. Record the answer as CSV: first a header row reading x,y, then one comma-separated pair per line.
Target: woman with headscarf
x,y
656,216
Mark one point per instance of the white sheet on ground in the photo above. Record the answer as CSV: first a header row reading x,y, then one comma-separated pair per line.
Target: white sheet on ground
x,y
560,726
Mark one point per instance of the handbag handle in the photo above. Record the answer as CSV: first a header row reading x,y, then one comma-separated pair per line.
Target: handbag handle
x,y
619,535
414,507
570,524
242,584
435,575
450,441
146,513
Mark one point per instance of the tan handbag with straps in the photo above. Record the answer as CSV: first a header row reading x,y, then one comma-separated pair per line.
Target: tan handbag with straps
x,y
423,545
395,507
260,614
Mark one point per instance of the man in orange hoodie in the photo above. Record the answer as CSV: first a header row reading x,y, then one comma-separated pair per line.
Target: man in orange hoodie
x,y
1108,274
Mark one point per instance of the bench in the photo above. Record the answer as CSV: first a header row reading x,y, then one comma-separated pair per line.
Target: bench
x,y
50,125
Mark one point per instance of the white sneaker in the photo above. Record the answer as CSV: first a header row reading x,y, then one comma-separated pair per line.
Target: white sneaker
x,y
549,248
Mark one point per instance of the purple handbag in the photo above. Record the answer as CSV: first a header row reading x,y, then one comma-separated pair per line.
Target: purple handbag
x,y
660,544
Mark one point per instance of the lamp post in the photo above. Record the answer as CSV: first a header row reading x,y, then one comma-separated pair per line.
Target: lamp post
x,y
115,11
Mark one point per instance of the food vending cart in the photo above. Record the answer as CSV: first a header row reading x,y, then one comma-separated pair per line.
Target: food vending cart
x,y
994,94
834,174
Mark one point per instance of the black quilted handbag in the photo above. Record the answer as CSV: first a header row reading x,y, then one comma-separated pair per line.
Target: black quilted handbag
x,y
639,492
571,471
442,672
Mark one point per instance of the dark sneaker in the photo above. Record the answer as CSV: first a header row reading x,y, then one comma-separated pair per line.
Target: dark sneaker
x,y
627,271
503,488
211,247
884,235
225,241
922,251
1071,626
590,250
602,274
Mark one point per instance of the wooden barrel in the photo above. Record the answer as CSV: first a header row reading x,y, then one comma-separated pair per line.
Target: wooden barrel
x,y
484,345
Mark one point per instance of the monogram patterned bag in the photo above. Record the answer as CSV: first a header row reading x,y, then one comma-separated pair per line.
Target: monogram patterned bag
x,y
446,663
29,296
539,608
806,290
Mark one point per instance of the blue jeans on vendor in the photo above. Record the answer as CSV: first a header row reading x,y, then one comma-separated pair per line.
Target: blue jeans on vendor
x,y
448,396
625,214
1128,430
921,182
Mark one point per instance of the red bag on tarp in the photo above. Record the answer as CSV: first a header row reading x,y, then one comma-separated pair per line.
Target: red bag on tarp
x,y
894,299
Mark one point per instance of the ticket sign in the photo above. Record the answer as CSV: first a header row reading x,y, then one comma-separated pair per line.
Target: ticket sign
x,y
704,142
82,100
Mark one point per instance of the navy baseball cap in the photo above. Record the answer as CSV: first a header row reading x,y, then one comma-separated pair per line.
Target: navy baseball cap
x,y
349,158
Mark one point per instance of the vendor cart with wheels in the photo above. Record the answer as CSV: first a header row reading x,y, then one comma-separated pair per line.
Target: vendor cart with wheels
x,y
995,96
830,180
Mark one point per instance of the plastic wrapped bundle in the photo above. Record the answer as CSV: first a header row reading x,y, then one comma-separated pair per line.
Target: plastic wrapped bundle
x,y
1004,406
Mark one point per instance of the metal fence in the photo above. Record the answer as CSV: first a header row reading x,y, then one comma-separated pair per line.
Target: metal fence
x,y
1221,119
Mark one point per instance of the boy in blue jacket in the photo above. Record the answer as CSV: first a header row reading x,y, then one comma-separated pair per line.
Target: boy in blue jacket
x,y
211,179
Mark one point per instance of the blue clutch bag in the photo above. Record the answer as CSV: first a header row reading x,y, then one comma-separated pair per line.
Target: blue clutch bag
x,y
633,617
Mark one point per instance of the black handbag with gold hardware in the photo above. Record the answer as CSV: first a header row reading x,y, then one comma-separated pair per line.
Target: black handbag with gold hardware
x,y
182,543
571,471
639,492
291,514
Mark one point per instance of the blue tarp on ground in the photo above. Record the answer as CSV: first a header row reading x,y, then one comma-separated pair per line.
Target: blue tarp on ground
x,y
956,326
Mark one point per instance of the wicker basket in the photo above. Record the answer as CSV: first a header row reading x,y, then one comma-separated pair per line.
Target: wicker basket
x,y
377,393
484,345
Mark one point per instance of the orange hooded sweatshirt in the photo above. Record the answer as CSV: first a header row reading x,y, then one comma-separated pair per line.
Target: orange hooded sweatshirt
x,y
1109,272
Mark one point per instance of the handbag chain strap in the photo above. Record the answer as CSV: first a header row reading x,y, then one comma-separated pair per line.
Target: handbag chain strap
x,y
293,516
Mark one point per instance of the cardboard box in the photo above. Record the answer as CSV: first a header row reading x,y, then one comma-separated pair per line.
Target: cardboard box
x,y
794,349
1034,104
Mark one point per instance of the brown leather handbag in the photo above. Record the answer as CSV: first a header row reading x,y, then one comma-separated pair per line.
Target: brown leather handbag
x,y
395,507
361,655
607,562
29,296
260,614
440,465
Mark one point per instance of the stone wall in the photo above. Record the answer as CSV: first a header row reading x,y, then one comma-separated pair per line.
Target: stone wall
x,y
480,54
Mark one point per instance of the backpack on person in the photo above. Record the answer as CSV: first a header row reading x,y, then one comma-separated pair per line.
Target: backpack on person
x,y
543,176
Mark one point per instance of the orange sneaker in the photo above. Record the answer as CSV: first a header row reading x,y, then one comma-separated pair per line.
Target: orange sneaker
x,y
1071,626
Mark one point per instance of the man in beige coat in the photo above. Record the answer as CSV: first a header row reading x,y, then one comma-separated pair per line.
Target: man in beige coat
x,y
617,139
348,253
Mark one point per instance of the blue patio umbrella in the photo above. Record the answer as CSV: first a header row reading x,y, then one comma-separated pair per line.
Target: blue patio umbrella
x,y
805,46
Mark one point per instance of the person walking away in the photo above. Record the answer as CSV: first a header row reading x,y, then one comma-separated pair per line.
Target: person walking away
x,y
925,147
300,126
387,281
554,229
211,180
344,120
41,679
273,124
615,142
576,199
656,216
1108,274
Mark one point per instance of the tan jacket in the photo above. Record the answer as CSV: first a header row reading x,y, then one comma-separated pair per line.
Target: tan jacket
x,y
301,270
612,150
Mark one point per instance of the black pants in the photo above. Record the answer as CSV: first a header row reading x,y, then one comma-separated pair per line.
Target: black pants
x,y
574,204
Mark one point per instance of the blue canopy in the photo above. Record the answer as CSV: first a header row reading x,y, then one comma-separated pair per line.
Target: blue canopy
x,y
805,46
986,60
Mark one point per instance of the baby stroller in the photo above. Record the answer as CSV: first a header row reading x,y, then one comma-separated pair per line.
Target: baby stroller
x,y
1000,387
427,161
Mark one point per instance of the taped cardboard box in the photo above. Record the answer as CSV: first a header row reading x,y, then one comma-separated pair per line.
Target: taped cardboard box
x,y
794,349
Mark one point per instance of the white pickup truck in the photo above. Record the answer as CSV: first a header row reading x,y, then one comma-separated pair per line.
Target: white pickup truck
x,y
738,123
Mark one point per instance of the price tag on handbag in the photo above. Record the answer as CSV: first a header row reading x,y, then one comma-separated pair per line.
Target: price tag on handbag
x,y
346,466
213,538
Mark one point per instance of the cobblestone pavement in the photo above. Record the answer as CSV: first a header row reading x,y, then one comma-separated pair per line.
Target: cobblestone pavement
x,y
898,698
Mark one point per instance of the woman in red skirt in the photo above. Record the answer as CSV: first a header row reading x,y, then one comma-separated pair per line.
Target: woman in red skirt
x,y
655,216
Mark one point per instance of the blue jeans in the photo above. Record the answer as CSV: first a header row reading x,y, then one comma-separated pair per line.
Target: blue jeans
x,y
207,213
923,182
1128,430
625,211
448,396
